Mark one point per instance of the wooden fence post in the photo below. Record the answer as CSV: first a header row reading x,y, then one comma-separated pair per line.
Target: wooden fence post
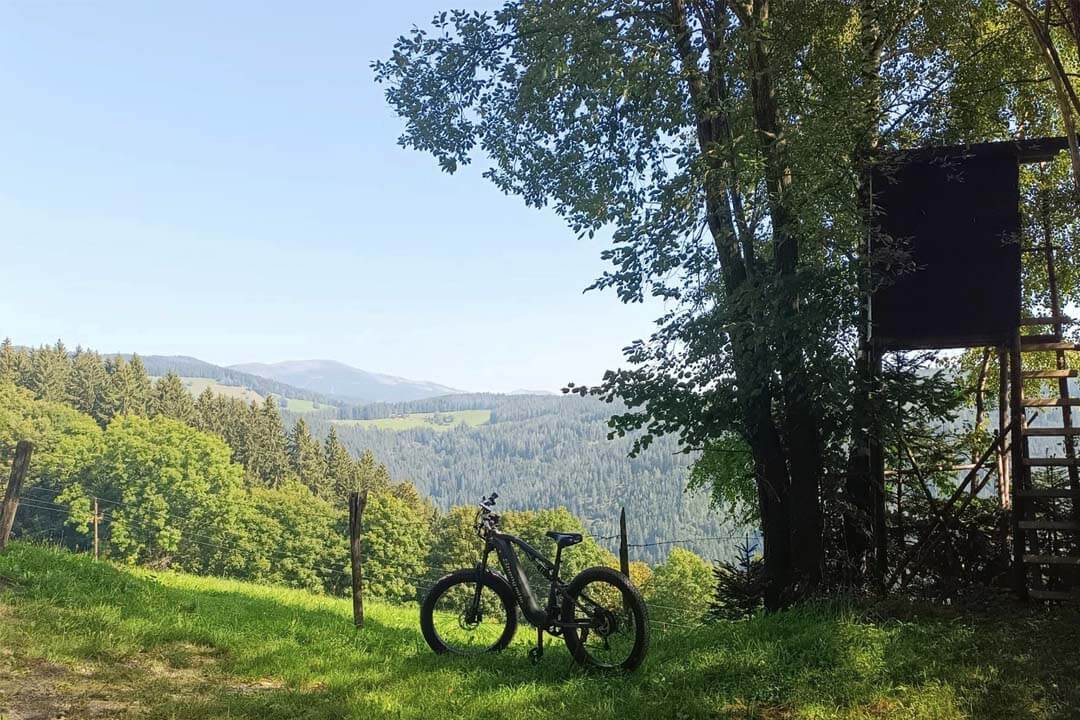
x,y
97,517
624,548
23,450
357,503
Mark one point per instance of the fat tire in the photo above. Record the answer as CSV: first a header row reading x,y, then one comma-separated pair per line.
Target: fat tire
x,y
633,596
468,575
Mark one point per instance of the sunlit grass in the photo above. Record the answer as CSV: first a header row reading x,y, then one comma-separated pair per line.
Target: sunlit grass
x,y
178,646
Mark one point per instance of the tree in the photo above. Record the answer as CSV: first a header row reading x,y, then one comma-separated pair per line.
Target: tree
x,y
173,488
88,384
172,399
340,468
681,588
306,459
725,145
396,545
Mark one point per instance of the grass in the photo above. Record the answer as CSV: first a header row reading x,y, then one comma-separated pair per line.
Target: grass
x,y
305,406
196,385
93,640
471,418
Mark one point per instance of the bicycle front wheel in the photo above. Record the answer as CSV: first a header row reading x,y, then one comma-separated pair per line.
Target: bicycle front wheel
x,y
453,622
617,635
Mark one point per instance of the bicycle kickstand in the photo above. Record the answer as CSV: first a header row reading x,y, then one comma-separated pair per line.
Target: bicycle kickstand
x,y
537,652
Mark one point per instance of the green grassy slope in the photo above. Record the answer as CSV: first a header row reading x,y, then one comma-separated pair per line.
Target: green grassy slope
x,y
411,421
94,641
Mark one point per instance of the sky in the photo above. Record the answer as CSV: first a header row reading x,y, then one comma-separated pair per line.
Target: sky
x,y
222,180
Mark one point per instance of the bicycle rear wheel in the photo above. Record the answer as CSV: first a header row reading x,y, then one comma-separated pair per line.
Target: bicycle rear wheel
x,y
618,636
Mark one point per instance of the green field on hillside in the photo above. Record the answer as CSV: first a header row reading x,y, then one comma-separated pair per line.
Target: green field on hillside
x,y
196,385
435,421
80,639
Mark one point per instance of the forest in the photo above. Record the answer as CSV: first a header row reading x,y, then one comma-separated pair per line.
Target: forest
x,y
213,485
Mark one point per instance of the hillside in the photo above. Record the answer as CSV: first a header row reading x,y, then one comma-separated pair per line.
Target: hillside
x,y
332,378
93,641
189,367
540,451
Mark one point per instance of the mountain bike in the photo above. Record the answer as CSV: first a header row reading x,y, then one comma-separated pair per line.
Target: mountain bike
x,y
599,614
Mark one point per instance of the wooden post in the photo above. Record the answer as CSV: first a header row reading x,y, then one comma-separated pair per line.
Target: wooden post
x,y
624,548
1003,488
97,517
357,503
877,475
1019,477
23,450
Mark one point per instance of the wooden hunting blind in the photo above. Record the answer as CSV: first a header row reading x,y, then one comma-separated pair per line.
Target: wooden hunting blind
x,y
947,255
954,214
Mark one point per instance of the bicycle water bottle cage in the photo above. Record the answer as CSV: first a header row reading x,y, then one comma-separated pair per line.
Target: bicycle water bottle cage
x,y
564,539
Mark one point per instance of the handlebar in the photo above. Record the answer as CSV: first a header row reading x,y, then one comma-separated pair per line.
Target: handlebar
x,y
486,519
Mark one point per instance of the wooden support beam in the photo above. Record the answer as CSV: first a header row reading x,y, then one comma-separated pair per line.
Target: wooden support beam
x,y
1051,402
1052,432
1048,374
1054,525
1050,462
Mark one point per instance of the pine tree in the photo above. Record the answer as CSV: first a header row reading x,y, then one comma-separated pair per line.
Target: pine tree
x,y
172,399
88,384
306,459
10,362
49,369
740,586
341,472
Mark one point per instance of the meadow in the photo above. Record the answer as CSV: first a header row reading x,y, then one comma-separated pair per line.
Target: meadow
x,y
435,421
95,640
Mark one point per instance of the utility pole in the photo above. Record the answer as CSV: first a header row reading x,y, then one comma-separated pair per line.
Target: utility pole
x,y
97,517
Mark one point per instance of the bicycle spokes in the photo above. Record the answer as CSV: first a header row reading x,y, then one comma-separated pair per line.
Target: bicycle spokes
x,y
465,627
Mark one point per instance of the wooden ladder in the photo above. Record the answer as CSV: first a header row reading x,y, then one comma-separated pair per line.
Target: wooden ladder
x,y
1046,515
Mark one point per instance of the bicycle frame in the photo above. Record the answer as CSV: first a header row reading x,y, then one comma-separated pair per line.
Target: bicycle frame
x,y
548,616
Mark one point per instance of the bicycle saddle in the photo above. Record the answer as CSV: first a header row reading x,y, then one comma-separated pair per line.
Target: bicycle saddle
x,y
564,539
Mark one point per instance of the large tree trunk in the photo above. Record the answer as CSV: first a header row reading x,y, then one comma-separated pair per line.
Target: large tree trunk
x,y
752,363
861,496
801,421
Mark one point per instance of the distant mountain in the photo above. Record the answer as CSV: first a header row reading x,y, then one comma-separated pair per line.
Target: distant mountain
x,y
190,367
340,380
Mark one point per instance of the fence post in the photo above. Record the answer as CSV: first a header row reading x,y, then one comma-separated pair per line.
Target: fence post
x,y
97,517
23,450
357,502
624,548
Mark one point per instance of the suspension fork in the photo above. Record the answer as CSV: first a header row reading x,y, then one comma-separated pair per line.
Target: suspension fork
x,y
481,570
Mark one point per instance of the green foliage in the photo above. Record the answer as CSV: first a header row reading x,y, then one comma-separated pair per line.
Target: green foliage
x,y
740,586
156,471
396,544
680,588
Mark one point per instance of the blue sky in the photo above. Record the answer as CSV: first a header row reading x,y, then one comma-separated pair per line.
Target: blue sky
x,y
222,180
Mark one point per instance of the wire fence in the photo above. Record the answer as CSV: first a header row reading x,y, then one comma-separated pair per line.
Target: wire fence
x,y
44,500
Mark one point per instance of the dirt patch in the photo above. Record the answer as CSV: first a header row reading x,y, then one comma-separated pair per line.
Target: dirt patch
x,y
40,690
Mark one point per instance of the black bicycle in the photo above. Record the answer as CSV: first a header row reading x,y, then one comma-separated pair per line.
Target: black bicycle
x,y
599,614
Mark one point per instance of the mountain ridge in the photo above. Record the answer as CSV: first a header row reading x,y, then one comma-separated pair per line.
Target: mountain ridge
x,y
351,384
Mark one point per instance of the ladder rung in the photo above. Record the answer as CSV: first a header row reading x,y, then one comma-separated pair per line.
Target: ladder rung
x,y
1047,493
1049,345
1049,525
1038,338
1054,595
1051,462
1046,320
1052,559
1051,431
1033,374
1051,402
